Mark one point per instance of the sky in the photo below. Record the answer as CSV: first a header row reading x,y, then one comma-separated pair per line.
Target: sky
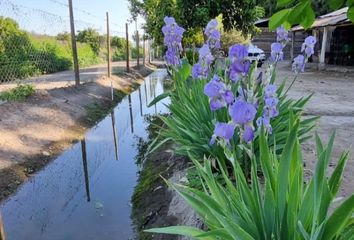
x,y
51,16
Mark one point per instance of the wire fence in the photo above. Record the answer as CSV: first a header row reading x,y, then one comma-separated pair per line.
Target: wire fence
x,y
34,42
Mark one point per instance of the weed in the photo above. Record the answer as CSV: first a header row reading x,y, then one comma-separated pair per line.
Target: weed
x,y
19,93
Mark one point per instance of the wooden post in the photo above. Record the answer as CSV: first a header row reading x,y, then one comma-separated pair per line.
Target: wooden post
x,y
2,230
127,43
293,35
149,51
84,164
137,49
323,46
108,48
73,44
144,50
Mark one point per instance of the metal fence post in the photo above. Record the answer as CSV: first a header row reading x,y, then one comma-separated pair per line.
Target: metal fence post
x,y
73,44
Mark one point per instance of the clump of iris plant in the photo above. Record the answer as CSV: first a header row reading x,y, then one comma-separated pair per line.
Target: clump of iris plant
x,y
250,103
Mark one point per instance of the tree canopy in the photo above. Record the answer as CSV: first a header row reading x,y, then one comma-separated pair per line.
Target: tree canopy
x,y
193,15
304,12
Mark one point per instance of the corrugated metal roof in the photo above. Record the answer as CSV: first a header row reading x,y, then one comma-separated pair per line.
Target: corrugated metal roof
x,y
329,19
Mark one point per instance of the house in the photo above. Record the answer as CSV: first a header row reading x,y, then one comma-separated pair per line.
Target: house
x,y
335,38
265,38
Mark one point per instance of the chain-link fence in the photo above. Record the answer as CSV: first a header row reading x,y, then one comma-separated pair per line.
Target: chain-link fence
x,y
34,42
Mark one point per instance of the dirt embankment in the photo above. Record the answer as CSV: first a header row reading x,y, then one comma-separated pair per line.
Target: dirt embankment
x,y
35,131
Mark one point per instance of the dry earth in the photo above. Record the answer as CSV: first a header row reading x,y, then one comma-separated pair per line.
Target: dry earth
x,y
35,131
333,101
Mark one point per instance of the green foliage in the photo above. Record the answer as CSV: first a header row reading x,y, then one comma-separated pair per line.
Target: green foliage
x,y
64,36
24,55
279,205
194,15
19,93
229,38
190,125
91,37
302,11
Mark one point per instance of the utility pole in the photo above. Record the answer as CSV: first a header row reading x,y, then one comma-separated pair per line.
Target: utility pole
x,y
108,48
73,44
137,43
127,43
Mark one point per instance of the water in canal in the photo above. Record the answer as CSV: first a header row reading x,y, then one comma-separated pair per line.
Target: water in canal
x,y
85,193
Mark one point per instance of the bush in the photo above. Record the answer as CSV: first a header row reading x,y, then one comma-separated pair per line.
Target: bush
x,y
24,55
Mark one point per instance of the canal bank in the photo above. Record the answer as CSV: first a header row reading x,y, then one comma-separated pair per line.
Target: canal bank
x,y
85,192
39,129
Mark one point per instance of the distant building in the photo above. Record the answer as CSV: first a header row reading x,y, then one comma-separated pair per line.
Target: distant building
x,y
265,38
335,37
334,33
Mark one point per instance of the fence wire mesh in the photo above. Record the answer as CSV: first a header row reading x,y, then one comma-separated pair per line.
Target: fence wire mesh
x,y
34,42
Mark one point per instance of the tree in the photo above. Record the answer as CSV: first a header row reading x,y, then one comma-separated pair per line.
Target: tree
x,y
64,36
302,11
118,42
193,15
270,6
91,37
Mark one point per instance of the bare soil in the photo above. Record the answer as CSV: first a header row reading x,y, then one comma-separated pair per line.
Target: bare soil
x,y
333,101
33,132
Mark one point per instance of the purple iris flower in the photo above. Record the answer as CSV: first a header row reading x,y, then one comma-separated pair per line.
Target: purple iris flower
x,y
214,88
308,46
213,35
234,76
169,20
282,34
270,90
299,64
242,112
212,24
217,103
271,101
197,71
277,52
172,39
201,69
241,67
224,131
248,133
228,96
238,52
205,54
265,122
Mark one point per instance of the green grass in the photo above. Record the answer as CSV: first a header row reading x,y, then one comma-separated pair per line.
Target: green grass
x,y
19,93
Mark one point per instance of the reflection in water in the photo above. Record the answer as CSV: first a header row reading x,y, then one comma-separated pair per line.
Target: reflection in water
x,y
131,114
146,96
114,134
141,104
2,230
84,164
154,89
85,193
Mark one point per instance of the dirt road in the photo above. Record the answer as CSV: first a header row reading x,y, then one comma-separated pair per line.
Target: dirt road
x,y
333,101
35,131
